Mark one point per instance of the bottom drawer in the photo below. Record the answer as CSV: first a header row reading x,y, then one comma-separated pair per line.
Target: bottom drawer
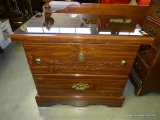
x,y
78,85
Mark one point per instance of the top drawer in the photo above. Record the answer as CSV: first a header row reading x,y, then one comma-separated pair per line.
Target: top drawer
x,y
153,29
154,10
80,58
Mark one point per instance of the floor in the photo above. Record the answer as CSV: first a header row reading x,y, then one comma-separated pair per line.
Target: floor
x,y
17,92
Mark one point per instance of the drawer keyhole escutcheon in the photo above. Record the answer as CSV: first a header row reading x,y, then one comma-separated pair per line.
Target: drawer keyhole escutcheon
x,y
158,12
81,57
123,63
80,86
38,61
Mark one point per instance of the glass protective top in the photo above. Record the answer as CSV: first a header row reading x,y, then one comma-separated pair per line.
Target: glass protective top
x,y
63,23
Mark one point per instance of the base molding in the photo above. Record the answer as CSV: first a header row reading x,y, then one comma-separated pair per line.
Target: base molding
x,y
80,101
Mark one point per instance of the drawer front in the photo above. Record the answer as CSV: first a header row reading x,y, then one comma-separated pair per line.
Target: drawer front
x,y
80,85
154,11
80,59
153,29
148,54
140,69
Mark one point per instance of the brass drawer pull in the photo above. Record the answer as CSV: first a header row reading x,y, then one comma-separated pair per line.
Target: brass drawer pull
x,y
38,61
80,86
123,63
158,12
143,49
152,32
138,66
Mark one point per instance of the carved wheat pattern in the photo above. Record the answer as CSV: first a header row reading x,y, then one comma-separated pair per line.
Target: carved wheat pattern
x,y
88,63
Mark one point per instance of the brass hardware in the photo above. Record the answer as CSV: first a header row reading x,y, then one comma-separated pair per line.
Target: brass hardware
x,y
123,63
38,61
139,91
158,12
144,49
80,86
17,22
81,57
138,66
152,32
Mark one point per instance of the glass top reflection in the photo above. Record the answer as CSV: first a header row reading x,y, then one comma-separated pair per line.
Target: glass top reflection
x,y
60,23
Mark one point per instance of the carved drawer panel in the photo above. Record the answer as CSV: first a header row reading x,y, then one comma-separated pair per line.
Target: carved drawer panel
x,y
148,54
154,10
153,29
80,85
80,58
140,69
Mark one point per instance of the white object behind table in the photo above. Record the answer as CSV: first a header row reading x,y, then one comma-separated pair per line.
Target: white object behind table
x,y
5,31
57,5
